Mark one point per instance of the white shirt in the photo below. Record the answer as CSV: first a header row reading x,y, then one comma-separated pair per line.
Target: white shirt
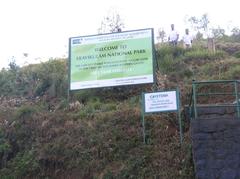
x,y
173,36
187,39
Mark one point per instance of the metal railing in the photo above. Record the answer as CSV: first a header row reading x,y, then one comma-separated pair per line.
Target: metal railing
x,y
233,86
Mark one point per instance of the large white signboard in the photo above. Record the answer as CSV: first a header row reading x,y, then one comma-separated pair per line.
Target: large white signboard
x,y
160,101
115,59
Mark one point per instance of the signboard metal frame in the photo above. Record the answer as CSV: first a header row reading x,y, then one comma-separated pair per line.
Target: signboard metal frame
x,y
178,111
153,58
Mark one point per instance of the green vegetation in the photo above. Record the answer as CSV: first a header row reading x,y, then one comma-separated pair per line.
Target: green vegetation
x,y
35,80
99,134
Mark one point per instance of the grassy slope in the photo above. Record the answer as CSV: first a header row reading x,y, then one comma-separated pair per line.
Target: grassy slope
x,y
101,144
103,137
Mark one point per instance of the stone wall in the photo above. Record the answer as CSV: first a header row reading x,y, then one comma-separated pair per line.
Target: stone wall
x,y
216,148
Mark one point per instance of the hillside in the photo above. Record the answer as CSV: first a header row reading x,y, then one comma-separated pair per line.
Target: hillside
x,y
99,134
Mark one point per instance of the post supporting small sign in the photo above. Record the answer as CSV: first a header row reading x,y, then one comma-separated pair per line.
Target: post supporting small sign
x,y
161,101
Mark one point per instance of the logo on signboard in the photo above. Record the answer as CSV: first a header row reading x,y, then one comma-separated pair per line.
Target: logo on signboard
x,y
77,41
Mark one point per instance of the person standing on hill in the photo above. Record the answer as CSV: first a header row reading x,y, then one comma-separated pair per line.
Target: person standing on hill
x,y
187,39
173,36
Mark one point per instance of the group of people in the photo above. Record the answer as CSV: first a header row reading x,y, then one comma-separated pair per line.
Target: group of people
x,y
174,37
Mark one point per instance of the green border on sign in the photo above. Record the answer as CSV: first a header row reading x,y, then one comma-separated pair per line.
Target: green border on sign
x,y
153,60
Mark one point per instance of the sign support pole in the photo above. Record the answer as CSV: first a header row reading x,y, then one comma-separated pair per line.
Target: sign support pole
x,y
144,132
143,120
68,97
171,97
179,117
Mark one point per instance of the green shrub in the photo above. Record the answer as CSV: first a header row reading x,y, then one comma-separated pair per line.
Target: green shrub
x,y
52,78
136,167
7,82
24,112
41,88
22,165
82,114
167,50
232,73
108,175
108,107
134,101
63,104
204,54
167,64
4,146
86,95
237,54
38,79
184,73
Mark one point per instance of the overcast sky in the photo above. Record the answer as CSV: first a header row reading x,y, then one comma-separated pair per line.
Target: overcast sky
x,y
41,28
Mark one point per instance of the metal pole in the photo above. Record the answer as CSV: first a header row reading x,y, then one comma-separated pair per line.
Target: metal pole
x,y
237,101
144,133
143,119
179,116
68,96
194,100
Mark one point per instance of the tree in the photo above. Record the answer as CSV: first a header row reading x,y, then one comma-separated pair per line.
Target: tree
x,y
200,24
161,35
111,23
204,21
235,34
199,36
218,32
194,23
235,31
12,65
